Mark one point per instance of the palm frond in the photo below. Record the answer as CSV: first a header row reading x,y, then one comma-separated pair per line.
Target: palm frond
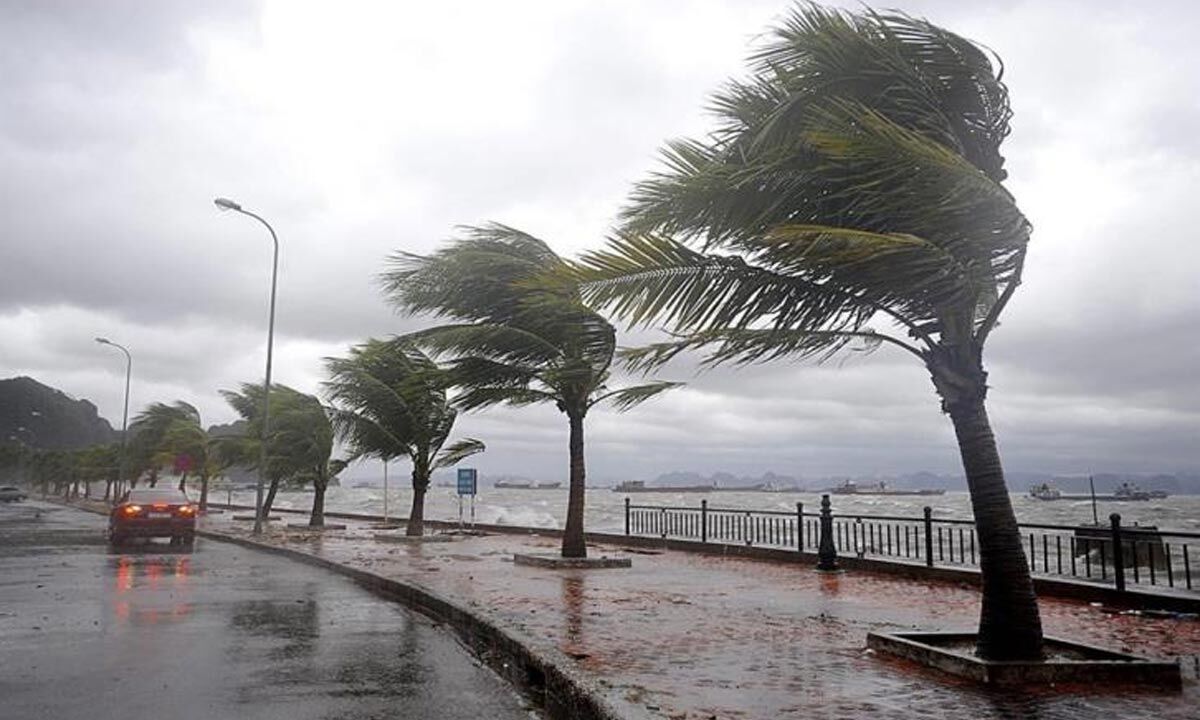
x,y
626,398
457,452
743,346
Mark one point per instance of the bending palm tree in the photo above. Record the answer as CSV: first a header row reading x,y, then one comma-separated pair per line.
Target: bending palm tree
x,y
854,178
166,434
519,340
390,401
300,444
150,428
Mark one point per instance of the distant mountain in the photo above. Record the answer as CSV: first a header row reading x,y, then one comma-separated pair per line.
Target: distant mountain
x,y
42,417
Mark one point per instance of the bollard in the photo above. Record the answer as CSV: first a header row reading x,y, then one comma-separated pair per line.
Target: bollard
x,y
1118,552
626,517
704,521
826,552
799,527
928,536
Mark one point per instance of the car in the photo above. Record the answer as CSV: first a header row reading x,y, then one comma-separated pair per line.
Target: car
x,y
153,512
11,494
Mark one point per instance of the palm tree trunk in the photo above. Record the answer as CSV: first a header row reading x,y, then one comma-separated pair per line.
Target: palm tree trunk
x,y
271,490
573,544
416,516
153,479
317,517
183,482
204,492
1010,627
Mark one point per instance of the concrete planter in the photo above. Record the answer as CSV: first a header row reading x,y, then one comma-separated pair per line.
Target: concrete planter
x,y
1068,662
555,561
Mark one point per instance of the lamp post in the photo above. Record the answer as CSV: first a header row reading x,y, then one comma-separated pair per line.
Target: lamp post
x,y
124,415
226,204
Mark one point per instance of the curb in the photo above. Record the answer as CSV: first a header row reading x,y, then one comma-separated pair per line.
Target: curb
x,y
543,674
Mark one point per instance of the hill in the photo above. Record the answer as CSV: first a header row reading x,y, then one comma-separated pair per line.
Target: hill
x,y
42,417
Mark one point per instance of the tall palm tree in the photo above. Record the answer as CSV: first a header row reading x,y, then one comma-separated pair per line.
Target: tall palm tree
x,y
518,338
299,444
390,401
854,179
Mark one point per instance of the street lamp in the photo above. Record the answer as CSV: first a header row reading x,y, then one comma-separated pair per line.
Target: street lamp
x,y
124,415
226,204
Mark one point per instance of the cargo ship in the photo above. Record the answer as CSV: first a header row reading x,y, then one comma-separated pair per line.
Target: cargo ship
x,y
518,485
850,487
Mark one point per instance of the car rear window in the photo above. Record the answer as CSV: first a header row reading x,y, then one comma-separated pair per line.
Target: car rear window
x,y
161,496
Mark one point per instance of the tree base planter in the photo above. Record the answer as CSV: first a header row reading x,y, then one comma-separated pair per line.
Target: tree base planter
x,y
306,526
555,561
414,539
1066,662
250,518
386,526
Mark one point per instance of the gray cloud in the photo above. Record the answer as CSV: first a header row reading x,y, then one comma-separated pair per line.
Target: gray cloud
x,y
360,131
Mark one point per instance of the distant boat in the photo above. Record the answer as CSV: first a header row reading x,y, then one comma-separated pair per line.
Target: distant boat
x,y
515,485
1125,492
1045,492
850,487
639,486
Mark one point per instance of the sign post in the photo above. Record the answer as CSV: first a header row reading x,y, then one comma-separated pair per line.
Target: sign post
x,y
468,484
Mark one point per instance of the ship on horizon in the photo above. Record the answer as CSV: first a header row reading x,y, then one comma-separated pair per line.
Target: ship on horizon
x,y
526,485
849,487
640,486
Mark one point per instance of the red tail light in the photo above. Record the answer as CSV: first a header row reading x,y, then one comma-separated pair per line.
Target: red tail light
x,y
187,510
161,507
131,510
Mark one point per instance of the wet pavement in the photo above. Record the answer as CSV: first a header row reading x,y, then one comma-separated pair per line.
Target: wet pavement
x,y
218,632
687,636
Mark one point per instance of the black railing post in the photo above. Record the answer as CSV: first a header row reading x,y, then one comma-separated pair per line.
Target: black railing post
x,y
799,527
704,521
1118,552
627,517
928,536
826,552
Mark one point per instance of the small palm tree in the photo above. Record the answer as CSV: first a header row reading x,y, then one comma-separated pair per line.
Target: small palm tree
x,y
518,339
299,444
149,429
173,435
390,401
854,179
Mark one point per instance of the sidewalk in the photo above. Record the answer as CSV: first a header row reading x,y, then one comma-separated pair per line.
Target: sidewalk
x,y
687,636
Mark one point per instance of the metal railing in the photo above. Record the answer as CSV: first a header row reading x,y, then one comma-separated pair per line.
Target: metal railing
x,y
1111,554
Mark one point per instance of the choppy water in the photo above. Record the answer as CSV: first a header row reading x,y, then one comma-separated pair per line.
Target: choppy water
x,y
605,511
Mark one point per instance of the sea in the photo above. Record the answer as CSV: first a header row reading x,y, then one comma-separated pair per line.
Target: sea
x,y
604,508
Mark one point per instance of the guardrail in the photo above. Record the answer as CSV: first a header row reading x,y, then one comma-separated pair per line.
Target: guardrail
x,y
1113,554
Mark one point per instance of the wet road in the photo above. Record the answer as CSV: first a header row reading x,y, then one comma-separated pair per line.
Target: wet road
x,y
220,632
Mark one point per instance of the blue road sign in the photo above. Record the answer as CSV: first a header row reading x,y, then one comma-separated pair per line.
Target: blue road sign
x,y
467,481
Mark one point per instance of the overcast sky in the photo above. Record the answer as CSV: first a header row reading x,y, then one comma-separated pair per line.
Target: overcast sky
x,y
362,128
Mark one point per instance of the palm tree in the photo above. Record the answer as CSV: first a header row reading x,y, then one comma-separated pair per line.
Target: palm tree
x,y
149,429
299,444
519,338
855,178
390,401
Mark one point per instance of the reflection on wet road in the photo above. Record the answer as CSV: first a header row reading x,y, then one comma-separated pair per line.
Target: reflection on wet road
x,y
221,632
